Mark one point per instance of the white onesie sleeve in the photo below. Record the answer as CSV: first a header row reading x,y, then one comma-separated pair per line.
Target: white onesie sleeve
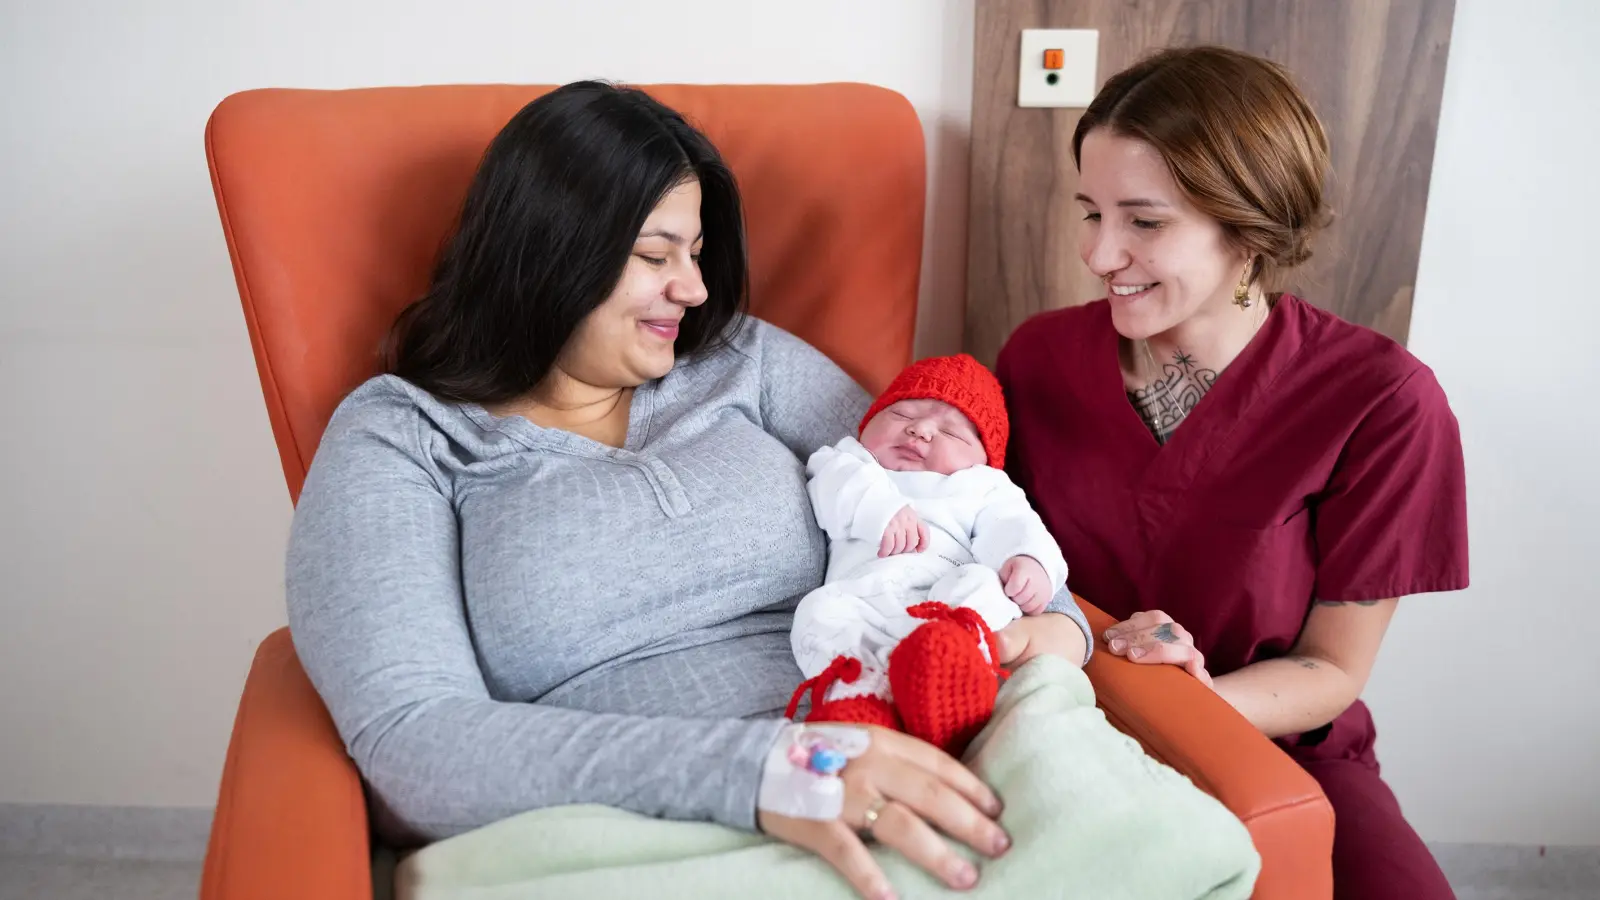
x,y
1007,526
851,494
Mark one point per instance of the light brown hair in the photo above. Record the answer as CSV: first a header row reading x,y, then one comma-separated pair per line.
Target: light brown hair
x,y
1239,137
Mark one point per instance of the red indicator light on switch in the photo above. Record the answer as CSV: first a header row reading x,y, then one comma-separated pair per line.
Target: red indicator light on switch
x,y
1054,59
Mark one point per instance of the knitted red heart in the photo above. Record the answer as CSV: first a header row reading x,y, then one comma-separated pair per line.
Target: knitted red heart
x,y
863,710
943,686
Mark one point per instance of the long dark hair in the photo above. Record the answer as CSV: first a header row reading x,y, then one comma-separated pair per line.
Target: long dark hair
x,y
548,226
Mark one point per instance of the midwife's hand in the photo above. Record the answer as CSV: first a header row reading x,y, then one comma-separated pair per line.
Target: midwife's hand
x,y
900,791
1026,583
1152,637
906,534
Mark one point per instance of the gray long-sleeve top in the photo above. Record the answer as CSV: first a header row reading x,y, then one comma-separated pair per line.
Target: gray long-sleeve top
x,y
502,617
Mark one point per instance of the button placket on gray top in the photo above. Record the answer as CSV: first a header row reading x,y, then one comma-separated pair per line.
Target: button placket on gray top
x,y
669,492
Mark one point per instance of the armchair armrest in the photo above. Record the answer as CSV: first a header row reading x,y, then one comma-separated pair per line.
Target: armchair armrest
x,y
291,817
1182,723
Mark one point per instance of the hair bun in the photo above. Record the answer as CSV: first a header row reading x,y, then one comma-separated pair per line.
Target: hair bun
x,y
1295,250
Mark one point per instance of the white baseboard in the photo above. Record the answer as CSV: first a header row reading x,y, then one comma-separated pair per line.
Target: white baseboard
x,y
165,834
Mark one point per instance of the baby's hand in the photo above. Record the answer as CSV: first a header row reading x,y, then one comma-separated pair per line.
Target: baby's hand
x,y
905,534
1026,583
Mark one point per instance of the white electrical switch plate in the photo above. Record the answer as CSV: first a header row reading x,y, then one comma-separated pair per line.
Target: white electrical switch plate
x,y
1074,82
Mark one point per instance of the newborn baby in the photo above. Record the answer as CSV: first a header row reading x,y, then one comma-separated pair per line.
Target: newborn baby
x,y
932,549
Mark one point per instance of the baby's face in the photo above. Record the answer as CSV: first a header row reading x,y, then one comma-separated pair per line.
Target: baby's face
x,y
923,436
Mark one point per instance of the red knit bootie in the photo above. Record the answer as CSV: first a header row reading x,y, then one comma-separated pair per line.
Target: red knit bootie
x,y
862,710
943,687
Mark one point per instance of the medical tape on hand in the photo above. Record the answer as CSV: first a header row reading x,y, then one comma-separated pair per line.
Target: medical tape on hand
x,y
801,776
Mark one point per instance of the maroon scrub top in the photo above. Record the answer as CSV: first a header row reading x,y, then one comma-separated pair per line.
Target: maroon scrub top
x,y
1324,463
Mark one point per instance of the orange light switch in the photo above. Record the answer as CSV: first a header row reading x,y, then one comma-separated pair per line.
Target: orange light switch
x,y
1054,59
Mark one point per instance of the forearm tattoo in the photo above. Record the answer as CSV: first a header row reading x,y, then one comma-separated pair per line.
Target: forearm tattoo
x,y
1305,662
1165,402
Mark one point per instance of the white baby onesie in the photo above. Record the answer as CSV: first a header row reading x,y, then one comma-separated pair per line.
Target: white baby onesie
x,y
977,519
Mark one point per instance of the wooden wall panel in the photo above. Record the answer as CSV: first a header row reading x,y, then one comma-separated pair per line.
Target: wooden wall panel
x,y
1373,69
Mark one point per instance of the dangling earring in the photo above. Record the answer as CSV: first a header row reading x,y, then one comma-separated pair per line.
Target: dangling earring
x,y
1241,294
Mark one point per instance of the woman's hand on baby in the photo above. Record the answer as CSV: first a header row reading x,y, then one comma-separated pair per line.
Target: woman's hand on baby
x,y
1152,637
1026,583
906,534
1055,634
918,792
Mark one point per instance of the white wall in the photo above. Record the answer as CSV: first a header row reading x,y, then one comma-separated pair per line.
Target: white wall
x,y
1488,701
145,515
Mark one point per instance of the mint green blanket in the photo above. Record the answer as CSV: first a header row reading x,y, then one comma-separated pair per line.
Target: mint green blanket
x,y
1090,815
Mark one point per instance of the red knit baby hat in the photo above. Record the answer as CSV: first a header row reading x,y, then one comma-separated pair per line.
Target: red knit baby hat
x,y
962,382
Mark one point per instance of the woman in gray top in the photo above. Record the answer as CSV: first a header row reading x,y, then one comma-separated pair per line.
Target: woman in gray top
x,y
552,557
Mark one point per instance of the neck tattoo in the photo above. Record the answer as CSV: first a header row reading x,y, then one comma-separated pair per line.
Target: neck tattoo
x,y
1165,402
1176,386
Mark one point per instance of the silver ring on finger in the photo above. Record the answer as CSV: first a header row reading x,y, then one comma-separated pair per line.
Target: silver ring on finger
x,y
874,810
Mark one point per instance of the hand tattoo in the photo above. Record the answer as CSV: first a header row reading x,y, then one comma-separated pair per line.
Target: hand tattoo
x,y
1163,633
1347,602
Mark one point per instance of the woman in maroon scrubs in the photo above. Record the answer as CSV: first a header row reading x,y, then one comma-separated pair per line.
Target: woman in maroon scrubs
x,y
1246,481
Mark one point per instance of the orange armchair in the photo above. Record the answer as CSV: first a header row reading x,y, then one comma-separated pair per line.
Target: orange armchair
x,y
335,203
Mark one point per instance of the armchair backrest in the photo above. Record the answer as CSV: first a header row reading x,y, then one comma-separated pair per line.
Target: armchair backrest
x,y
335,205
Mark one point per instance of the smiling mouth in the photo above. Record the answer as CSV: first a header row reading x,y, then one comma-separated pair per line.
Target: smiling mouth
x,y
1126,291
667,330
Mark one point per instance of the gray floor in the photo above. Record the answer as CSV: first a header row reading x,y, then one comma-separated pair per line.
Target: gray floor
x,y
1493,872
38,878
1483,875
1505,893
58,879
